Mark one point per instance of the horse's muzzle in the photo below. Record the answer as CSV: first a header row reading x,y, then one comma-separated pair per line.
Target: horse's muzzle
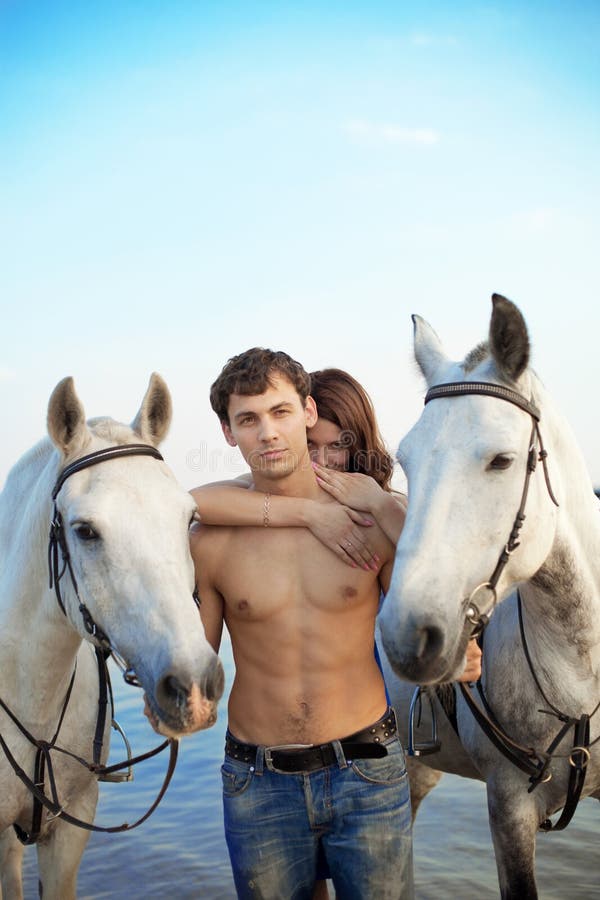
x,y
422,653
180,706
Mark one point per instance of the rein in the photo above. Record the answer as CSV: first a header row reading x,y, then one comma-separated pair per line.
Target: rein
x,y
532,762
103,649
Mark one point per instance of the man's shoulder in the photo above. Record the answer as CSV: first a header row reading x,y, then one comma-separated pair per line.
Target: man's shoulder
x,y
205,538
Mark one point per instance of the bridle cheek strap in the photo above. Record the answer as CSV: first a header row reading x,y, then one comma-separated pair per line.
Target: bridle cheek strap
x,y
57,540
460,388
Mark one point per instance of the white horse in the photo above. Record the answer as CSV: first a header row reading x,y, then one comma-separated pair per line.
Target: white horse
x,y
128,584
463,553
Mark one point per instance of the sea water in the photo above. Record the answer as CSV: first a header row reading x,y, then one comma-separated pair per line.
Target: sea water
x,y
180,852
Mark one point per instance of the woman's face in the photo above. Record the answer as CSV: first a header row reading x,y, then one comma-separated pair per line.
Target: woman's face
x,y
326,445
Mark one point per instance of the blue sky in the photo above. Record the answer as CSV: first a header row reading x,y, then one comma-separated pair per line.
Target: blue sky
x,y
180,181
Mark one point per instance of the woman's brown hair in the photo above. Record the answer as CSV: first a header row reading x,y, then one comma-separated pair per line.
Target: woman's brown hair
x,y
342,400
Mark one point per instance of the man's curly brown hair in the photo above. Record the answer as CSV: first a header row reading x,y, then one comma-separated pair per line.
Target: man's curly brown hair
x,y
251,373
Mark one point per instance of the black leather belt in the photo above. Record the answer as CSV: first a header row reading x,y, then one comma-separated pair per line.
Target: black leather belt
x,y
365,744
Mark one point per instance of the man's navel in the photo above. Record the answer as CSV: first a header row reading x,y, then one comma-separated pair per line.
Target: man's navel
x,y
297,720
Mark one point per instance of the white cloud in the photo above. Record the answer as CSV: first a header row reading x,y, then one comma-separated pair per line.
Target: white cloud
x,y
7,374
389,133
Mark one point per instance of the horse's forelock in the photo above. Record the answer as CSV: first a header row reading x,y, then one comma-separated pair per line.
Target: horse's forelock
x,y
476,356
110,430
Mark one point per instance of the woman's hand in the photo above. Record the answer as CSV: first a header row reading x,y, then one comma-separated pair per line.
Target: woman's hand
x,y
344,531
472,671
353,489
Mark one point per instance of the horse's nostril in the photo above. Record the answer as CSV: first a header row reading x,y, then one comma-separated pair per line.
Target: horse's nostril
x,y
214,682
171,692
431,640
174,692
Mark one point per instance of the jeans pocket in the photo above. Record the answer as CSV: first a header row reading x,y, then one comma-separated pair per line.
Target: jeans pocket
x,y
236,779
390,769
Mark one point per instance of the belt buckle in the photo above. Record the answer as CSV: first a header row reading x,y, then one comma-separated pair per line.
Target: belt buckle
x,y
276,747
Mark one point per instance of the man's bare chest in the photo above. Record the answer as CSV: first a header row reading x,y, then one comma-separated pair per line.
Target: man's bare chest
x,y
288,570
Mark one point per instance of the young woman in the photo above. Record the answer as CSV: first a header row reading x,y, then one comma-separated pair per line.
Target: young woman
x,y
350,463
346,439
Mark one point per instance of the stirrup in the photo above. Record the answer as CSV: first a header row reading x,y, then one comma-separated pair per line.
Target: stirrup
x,y
119,777
421,748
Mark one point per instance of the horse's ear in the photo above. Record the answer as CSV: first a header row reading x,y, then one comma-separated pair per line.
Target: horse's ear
x,y
429,353
509,340
66,418
154,415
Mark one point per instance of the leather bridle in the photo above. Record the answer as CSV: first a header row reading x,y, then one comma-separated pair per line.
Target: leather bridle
x,y
474,615
57,541
104,649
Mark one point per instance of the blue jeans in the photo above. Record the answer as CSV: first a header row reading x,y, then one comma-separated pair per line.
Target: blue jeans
x,y
354,815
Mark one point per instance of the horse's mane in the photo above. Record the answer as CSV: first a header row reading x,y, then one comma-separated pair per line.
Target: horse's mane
x,y
30,464
481,353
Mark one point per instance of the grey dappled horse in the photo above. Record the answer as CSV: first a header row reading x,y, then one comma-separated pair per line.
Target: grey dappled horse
x,y
479,527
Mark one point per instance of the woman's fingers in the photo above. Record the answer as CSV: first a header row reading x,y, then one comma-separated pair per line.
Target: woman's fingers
x,y
358,517
352,488
330,486
356,548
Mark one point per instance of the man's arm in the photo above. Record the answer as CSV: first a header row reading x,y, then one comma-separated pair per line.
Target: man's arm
x,y
212,606
337,526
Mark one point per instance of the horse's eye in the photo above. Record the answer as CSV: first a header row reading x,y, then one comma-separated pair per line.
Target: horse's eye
x,y
85,532
501,461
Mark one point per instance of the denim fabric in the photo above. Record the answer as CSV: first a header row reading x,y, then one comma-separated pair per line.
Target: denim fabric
x,y
355,815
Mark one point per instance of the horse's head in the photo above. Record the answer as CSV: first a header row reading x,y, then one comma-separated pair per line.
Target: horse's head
x,y
125,525
466,461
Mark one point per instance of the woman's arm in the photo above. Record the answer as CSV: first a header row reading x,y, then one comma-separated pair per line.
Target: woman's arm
x,y
335,525
361,492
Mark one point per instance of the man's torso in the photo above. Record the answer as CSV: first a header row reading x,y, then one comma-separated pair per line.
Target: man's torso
x,y
301,622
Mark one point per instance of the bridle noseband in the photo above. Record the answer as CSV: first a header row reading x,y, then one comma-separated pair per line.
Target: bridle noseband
x,y
473,614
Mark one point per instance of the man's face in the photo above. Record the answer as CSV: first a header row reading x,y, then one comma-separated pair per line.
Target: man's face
x,y
270,428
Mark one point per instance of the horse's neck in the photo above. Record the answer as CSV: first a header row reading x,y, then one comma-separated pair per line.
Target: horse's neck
x,y
34,635
564,595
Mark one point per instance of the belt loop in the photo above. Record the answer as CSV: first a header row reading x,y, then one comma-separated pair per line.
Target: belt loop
x,y
339,755
259,765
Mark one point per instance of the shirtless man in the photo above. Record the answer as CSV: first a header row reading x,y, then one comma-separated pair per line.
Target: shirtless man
x,y
301,623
